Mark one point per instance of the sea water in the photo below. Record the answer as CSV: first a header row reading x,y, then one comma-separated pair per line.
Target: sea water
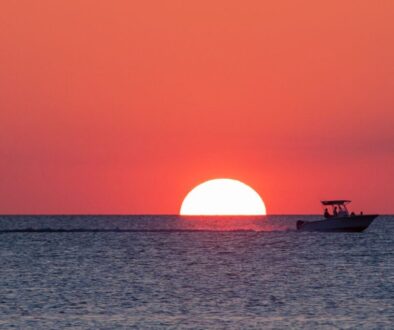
x,y
121,272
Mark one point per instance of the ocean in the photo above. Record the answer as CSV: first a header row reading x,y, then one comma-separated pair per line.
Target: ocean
x,y
169,272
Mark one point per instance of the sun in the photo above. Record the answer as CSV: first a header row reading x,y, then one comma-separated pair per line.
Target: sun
x,y
223,197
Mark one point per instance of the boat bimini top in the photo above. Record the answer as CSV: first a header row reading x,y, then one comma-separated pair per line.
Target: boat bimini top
x,y
336,202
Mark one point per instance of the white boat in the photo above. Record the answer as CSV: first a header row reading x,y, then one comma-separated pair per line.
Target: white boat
x,y
339,220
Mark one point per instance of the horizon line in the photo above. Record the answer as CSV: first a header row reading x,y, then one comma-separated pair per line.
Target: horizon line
x,y
163,214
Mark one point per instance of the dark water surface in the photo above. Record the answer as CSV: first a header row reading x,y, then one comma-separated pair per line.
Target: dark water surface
x,y
169,272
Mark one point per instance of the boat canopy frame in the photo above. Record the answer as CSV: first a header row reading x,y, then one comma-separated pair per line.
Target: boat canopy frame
x,y
338,204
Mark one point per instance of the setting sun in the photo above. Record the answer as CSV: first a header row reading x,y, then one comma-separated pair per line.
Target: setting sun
x,y
223,197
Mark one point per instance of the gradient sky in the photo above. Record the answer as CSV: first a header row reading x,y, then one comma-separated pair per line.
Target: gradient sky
x,y
125,106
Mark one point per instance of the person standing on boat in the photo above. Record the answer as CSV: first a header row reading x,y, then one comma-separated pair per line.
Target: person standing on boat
x,y
326,213
335,213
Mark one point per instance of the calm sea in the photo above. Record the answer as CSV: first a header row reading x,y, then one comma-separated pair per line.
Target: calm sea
x,y
120,272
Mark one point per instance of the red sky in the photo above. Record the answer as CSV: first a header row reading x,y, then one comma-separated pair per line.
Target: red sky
x,y
125,106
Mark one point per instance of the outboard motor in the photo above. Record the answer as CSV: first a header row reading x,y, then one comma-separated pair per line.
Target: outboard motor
x,y
299,224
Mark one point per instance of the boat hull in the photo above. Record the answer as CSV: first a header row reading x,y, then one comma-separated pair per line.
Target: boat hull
x,y
357,223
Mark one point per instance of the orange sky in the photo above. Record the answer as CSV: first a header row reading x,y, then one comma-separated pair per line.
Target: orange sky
x,y
124,106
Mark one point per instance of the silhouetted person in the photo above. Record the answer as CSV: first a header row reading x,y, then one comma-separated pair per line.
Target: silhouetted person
x,y
326,213
335,211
